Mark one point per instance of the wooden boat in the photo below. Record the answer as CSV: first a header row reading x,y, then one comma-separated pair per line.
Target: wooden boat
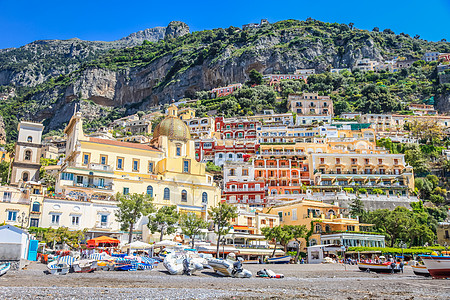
x,y
58,268
4,268
379,268
279,260
84,266
437,266
421,270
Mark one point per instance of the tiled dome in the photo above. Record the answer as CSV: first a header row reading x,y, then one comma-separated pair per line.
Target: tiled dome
x,y
173,128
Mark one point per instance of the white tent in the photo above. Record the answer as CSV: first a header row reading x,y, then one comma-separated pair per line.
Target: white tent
x,y
137,245
165,244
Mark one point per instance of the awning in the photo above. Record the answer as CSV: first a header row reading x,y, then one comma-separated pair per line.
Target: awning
x,y
102,240
256,251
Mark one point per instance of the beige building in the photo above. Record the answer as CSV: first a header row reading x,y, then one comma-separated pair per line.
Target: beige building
x,y
310,104
443,233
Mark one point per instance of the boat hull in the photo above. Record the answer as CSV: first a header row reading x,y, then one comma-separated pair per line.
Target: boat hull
x,y
421,271
279,260
4,268
437,266
379,268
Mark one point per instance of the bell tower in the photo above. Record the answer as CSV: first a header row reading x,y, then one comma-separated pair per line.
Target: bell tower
x,y
27,159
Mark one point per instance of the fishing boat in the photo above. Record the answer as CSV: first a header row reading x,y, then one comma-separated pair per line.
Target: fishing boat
x,y
225,267
279,260
84,266
420,270
58,268
378,267
4,268
437,266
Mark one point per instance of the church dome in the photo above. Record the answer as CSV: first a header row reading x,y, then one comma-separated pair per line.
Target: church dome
x,y
173,128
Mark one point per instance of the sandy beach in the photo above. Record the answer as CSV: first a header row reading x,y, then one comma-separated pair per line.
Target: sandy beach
x,y
330,281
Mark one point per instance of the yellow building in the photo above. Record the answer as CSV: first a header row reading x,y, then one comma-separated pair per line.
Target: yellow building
x,y
166,169
330,226
443,233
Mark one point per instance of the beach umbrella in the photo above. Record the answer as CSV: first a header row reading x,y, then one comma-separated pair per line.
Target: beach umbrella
x,y
165,243
102,240
137,245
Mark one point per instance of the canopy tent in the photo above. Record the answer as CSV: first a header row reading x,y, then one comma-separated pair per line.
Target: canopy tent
x,y
137,245
103,241
165,243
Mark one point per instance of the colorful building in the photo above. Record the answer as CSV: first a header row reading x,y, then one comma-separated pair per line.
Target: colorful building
x,y
224,91
310,104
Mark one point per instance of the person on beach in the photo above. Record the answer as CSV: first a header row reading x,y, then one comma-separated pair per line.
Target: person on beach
x,y
401,265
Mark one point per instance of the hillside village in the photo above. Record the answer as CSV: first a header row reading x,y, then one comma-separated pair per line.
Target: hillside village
x,y
281,148
307,166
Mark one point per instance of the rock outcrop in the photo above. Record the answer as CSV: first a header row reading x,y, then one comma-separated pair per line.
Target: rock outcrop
x,y
176,29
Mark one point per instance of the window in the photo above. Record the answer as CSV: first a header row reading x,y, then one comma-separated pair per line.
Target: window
x,y
185,166
34,222
66,176
135,165
126,191
150,167
178,151
338,161
7,196
25,176
166,194
29,139
318,228
80,179
75,220
322,160
104,220
55,219
36,207
183,196
12,215
280,215
220,155
103,159
204,197
101,182
230,155
86,158
120,163
244,172
350,228
150,191
27,155
294,214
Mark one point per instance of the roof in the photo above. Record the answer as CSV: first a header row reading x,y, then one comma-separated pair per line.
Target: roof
x,y
13,228
123,144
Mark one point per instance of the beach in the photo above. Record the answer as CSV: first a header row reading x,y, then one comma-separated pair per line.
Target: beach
x,y
325,281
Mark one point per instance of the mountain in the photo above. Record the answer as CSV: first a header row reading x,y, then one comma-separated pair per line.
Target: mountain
x,y
109,81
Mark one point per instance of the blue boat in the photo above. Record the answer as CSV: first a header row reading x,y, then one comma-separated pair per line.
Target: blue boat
x,y
279,260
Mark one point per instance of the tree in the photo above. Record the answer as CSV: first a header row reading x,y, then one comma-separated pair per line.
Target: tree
x,y
281,234
388,31
221,216
350,25
191,225
255,78
131,208
298,232
376,29
164,221
11,150
357,208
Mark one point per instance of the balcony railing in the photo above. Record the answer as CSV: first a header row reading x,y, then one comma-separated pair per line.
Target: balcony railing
x,y
101,187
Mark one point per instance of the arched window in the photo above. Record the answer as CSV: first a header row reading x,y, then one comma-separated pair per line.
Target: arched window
x,y
29,139
183,196
166,194
312,242
36,207
27,155
318,228
150,191
204,197
327,228
25,176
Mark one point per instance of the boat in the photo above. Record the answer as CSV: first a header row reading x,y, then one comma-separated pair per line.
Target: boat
x,y
58,268
420,270
279,260
105,265
378,267
84,266
4,268
437,266
225,267
183,263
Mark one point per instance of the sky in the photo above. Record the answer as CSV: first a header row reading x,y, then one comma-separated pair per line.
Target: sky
x,y
22,22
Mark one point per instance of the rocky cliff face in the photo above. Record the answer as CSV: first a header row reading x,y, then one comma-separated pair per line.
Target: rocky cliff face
x,y
176,29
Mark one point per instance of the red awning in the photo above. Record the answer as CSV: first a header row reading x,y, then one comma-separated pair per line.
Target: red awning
x,y
102,240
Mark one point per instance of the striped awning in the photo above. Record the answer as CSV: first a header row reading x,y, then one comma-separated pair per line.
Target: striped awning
x,y
66,259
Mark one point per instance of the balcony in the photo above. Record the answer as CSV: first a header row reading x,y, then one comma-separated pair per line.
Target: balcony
x,y
103,225
107,187
99,167
244,190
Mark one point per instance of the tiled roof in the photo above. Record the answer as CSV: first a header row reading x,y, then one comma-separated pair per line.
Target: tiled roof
x,y
123,144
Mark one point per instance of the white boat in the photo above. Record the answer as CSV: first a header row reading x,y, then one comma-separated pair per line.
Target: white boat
x,y
379,268
420,270
226,267
183,263
58,268
279,260
4,268
84,266
437,266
